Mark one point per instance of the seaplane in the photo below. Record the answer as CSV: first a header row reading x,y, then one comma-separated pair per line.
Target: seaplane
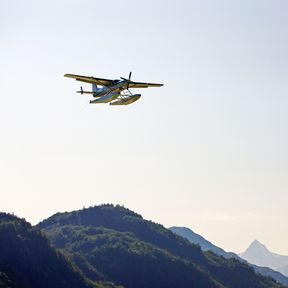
x,y
114,92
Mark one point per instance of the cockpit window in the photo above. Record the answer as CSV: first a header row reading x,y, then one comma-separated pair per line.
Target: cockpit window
x,y
115,82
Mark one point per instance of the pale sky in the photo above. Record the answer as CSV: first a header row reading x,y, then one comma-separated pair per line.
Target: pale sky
x,y
207,151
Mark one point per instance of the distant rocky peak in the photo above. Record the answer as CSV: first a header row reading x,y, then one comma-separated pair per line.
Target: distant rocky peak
x,y
257,246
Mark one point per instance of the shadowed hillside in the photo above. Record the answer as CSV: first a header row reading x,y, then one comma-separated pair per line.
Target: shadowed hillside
x,y
208,246
128,250
27,259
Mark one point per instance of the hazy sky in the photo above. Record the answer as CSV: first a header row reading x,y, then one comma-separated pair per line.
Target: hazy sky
x,y
208,150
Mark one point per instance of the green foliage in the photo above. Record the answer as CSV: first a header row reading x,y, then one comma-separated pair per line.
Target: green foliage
x,y
124,248
28,260
121,257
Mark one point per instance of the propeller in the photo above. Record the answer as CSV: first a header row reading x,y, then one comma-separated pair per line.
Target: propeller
x,y
128,80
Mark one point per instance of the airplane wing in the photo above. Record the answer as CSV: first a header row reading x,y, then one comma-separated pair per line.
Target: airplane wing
x,y
92,80
143,85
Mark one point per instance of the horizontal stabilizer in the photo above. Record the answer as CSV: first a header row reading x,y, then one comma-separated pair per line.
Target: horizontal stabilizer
x,y
85,92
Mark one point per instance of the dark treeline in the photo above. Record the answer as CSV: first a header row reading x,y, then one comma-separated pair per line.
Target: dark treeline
x,y
113,243
110,246
28,260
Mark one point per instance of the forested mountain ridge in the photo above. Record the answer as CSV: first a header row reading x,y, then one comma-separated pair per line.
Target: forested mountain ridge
x,y
120,246
27,259
109,243
207,245
201,241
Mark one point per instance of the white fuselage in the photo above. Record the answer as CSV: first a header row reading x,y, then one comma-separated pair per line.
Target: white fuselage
x,y
107,94
115,87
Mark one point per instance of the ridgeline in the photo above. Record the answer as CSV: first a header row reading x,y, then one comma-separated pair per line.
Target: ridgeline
x,y
112,243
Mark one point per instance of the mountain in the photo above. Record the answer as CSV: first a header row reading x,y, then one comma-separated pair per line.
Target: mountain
x,y
258,254
283,270
27,259
208,246
116,244
201,241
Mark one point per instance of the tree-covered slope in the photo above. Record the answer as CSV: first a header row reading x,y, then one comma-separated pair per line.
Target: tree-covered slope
x,y
124,248
5,282
208,246
27,259
201,241
126,260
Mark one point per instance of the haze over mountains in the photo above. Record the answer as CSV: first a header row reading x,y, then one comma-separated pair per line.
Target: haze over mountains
x,y
206,246
201,241
106,246
258,254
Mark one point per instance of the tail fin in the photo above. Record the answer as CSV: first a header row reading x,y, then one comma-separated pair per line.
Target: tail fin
x,y
81,91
